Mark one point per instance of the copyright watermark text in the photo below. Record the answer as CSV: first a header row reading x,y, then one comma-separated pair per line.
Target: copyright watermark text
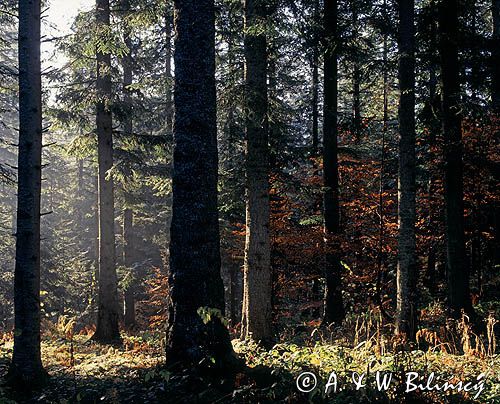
x,y
306,382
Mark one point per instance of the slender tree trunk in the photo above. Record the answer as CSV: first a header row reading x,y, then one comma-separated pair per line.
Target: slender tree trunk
x,y
95,275
432,277
168,64
235,303
81,195
385,120
128,261
197,292
356,78
457,268
315,112
107,330
169,82
315,84
357,101
26,369
334,307
495,56
272,94
257,305
406,310
495,102
128,214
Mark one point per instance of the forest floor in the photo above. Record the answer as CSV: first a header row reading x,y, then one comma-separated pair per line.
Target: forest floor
x,y
84,372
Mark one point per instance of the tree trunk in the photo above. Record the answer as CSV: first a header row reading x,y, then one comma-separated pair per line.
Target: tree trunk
x,y
168,64
385,120
315,84
26,371
406,310
457,268
235,303
315,112
197,292
432,278
357,101
128,261
495,56
128,215
273,113
80,196
107,330
169,82
356,78
333,307
257,314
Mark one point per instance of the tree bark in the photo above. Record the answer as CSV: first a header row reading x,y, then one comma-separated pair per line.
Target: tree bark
x,y
356,78
495,56
257,305
128,214
236,292
80,195
385,120
168,64
107,330
333,306
315,83
128,261
406,310
432,277
457,268
195,279
26,370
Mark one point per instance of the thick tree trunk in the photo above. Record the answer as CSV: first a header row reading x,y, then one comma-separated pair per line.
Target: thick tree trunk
x,y
107,330
406,310
333,307
197,292
495,56
257,305
26,369
457,268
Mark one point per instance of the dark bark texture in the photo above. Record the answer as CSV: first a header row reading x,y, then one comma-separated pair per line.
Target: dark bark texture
x,y
495,56
457,266
334,311
195,279
26,369
108,312
315,83
406,311
257,305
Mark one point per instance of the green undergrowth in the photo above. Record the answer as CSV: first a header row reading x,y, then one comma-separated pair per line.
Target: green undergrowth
x,y
84,372
364,362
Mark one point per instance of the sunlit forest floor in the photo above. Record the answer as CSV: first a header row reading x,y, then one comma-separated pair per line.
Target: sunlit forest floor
x,y
82,371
